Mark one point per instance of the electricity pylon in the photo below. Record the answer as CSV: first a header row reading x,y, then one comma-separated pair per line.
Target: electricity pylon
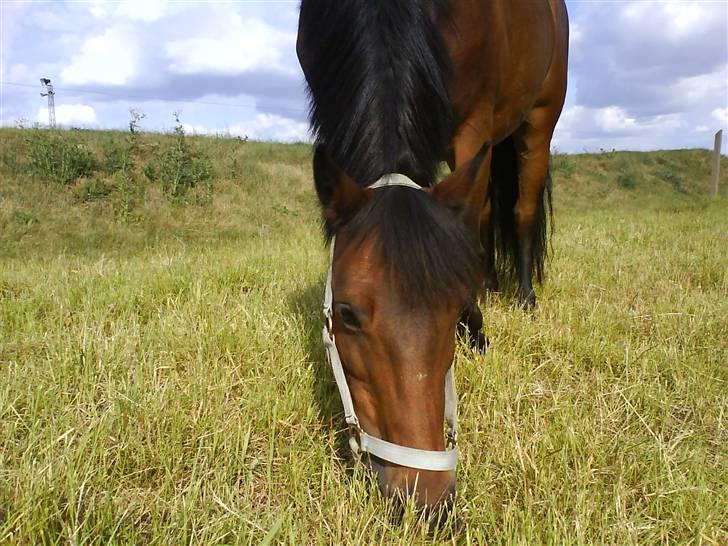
x,y
51,102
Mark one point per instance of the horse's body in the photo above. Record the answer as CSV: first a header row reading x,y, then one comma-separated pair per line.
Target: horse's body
x,y
399,86
508,89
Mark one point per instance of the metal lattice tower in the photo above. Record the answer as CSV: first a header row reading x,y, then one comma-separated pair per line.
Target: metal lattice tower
x,y
50,93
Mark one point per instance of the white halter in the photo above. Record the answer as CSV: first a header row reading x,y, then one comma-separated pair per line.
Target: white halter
x,y
360,441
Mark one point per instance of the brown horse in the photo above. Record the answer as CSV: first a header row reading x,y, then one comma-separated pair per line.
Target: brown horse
x,y
398,86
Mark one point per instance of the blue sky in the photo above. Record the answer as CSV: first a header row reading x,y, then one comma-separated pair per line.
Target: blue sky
x,y
643,74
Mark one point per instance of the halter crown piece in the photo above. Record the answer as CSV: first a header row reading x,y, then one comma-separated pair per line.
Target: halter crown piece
x,y
361,442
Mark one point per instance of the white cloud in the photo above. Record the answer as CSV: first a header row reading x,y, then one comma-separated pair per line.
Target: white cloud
x,y
582,128
137,10
48,20
273,127
675,19
576,36
143,10
20,73
99,8
110,58
704,87
231,45
262,127
721,114
613,119
69,114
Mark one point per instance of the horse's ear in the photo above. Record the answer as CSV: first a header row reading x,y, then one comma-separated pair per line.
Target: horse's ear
x,y
463,190
340,197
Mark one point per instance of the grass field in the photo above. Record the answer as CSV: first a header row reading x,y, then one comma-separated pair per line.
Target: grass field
x,y
162,379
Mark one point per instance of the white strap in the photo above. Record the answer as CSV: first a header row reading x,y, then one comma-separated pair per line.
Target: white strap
x,y
437,461
335,361
395,179
451,404
328,292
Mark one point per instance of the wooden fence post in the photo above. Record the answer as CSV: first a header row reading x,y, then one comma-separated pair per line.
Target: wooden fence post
x,y
716,162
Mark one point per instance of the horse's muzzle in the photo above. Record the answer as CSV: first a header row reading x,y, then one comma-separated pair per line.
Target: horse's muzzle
x,y
432,492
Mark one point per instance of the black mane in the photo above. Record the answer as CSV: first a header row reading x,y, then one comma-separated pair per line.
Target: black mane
x,y
377,73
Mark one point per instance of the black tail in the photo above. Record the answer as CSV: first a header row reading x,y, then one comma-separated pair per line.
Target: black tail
x,y
503,198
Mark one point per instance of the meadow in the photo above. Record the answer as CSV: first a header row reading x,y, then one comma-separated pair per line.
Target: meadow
x,y
162,379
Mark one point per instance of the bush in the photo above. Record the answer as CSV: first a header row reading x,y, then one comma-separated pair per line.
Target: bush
x,y
182,167
627,180
129,192
24,218
115,157
14,151
669,176
58,157
561,165
93,189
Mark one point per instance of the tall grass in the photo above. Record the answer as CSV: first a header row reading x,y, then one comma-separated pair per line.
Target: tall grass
x,y
162,379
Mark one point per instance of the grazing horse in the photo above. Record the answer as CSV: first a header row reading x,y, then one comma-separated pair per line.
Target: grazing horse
x,y
398,86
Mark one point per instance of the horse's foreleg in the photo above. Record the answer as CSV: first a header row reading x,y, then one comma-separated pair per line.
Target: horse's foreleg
x,y
487,241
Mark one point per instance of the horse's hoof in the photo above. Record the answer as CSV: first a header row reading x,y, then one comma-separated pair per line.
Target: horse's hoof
x,y
490,285
479,342
528,302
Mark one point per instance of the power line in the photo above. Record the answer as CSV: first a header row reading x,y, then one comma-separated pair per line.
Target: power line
x,y
80,90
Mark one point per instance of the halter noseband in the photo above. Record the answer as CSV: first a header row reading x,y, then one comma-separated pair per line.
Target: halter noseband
x,y
360,441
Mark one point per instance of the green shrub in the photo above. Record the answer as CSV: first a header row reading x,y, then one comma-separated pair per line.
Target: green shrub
x,y
93,189
129,192
13,152
115,157
561,165
627,180
150,171
181,168
669,176
58,157
24,218
123,160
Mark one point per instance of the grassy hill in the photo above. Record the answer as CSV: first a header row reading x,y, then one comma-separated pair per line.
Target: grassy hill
x,y
162,379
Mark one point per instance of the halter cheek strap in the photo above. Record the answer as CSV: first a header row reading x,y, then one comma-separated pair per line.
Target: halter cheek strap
x,y
360,441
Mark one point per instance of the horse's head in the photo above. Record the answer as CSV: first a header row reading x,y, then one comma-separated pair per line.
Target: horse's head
x,y
404,267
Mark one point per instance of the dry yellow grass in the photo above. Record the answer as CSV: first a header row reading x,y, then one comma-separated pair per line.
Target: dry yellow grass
x,y
162,380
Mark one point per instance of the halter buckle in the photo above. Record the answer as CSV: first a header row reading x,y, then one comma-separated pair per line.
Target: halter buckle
x,y
355,439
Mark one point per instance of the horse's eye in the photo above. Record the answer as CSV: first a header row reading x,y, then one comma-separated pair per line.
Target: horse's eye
x,y
348,317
